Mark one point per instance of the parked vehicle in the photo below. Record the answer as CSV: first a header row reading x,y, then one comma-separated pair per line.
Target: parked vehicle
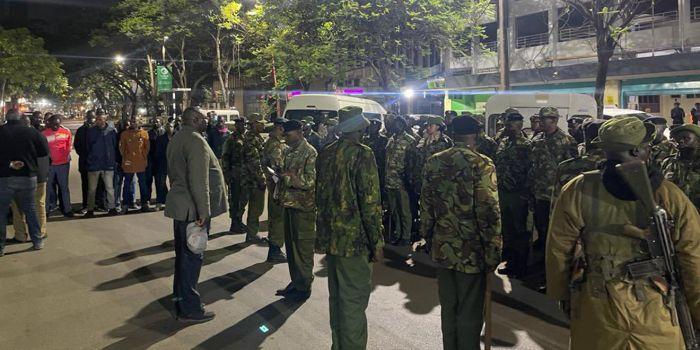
x,y
322,106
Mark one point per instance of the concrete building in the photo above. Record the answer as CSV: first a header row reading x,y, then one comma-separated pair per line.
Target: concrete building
x,y
552,49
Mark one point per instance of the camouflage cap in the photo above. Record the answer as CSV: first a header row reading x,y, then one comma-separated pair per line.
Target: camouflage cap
x,y
308,120
535,117
255,117
623,134
549,112
435,120
351,120
656,120
686,127
331,121
512,115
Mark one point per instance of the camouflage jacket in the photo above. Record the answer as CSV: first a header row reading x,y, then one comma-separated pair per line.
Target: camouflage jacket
x,y
378,145
686,175
349,220
512,161
232,157
661,151
459,210
546,152
396,160
570,168
420,154
272,155
298,190
486,146
252,174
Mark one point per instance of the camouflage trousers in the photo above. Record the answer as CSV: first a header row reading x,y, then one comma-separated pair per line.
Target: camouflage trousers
x,y
400,211
275,218
236,201
256,205
349,284
299,239
462,308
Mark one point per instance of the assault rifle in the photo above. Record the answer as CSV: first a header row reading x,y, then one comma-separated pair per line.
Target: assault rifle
x,y
661,249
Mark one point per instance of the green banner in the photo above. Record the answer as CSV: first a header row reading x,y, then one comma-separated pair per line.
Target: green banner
x,y
164,79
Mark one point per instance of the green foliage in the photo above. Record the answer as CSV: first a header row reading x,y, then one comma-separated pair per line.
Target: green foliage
x,y
26,67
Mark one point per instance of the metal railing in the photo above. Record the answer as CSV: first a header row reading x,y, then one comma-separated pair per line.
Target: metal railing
x,y
532,40
491,46
695,14
487,70
575,33
661,19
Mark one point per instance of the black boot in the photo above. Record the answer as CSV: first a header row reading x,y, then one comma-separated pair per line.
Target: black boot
x,y
275,255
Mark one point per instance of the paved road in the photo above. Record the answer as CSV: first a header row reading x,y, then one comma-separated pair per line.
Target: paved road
x,y
105,283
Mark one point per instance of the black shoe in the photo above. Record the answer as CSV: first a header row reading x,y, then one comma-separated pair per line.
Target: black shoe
x,y
297,296
89,214
283,292
275,255
69,214
251,239
145,208
14,241
237,228
113,212
82,211
101,209
204,317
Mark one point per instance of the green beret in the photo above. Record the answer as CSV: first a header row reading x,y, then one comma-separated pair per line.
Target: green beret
x,y
623,134
255,117
686,127
351,120
549,112
435,120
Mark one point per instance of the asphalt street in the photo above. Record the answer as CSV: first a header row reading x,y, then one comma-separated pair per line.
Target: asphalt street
x,y
106,283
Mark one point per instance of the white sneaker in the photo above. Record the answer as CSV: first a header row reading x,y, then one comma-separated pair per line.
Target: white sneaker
x,y
159,207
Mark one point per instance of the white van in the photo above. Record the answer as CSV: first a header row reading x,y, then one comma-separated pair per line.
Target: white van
x,y
529,104
229,114
321,106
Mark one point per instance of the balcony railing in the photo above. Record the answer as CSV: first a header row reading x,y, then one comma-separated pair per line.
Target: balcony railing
x,y
532,40
695,14
657,20
491,46
575,33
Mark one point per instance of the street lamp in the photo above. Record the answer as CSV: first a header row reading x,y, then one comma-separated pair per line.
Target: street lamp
x,y
119,59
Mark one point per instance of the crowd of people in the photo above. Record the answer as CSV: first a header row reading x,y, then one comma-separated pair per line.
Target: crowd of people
x,y
342,185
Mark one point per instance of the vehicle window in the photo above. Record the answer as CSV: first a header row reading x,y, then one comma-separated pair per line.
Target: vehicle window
x,y
298,114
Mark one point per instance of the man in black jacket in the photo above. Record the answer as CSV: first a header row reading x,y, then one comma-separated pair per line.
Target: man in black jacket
x,y
677,114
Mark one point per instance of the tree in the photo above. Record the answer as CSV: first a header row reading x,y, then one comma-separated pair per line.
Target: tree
x,y
611,20
26,67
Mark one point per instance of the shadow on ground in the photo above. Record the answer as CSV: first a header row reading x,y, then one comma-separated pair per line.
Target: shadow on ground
x,y
156,321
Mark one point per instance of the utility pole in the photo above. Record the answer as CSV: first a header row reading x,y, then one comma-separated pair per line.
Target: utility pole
x,y
503,57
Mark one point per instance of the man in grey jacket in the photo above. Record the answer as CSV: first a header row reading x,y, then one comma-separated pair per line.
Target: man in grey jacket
x,y
197,195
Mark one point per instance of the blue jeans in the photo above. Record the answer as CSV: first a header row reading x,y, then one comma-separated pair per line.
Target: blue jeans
x,y
58,175
130,187
161,187
22,190
187,268
118,181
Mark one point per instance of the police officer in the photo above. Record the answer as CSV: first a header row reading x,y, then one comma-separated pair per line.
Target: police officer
x,y
461,220
433,142
511,161
661,147
610,309
535,125
549,148
377,141
591,160
397,179
683,169
575,126
297,195
252,177
311,136
232,166
677,114
349,227
272,158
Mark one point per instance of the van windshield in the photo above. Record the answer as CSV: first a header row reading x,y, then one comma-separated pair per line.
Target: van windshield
x,y
319,115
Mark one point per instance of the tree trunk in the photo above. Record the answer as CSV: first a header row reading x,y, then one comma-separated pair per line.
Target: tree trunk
x,y
605,49
154,88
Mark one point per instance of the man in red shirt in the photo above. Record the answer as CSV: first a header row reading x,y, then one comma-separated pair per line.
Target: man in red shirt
x,y
59,139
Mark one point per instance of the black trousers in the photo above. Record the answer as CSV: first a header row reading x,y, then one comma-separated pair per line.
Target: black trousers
x,y
541,218
187,268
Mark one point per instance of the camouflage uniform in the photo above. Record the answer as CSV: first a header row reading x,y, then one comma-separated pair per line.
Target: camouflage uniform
x,y
232,166
486,146
512,160
378,145
397,177
546,152
253,180
420,154
570,168
660,152
314,139
273,158
686,175
461,219
297,196
349,225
